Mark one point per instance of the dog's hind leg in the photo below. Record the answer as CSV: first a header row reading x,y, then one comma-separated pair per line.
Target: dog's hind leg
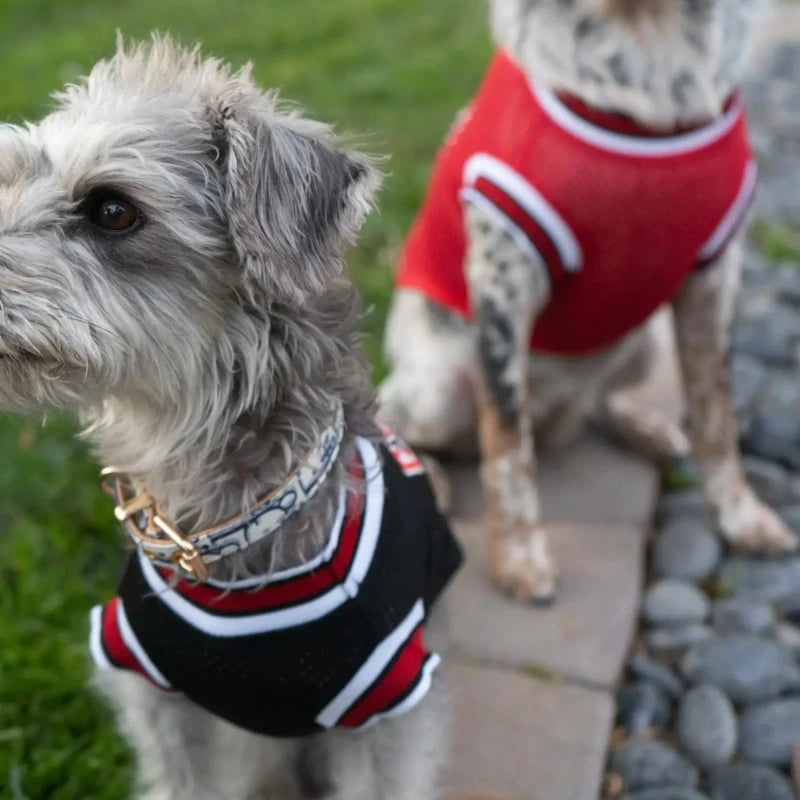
x,y
427,397
703,314
508,289
646,431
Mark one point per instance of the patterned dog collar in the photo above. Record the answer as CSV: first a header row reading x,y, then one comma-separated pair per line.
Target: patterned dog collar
x,y
138,513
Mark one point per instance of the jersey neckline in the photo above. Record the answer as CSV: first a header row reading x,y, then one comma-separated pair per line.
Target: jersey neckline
x,y
603,130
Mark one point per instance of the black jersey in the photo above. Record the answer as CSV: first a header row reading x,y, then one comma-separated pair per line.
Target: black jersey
x,y
335,642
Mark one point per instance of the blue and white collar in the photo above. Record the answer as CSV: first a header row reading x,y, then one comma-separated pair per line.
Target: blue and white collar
x,y
143,522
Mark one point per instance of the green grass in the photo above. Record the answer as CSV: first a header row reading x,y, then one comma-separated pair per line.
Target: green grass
x,y
676,477
780,243
391,71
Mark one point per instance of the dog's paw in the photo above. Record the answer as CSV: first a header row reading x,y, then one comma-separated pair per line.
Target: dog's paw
x,y
753,526
523,567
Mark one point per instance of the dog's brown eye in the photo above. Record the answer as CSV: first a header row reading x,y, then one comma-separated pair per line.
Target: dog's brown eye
x,y
114,214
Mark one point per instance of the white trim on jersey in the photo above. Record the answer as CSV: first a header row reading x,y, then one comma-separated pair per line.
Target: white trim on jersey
x,y
675,145
132,643
420,690
222,626
324,556
372,668
522,192
292,616
473,196
373,517
243,531
735,216
95,639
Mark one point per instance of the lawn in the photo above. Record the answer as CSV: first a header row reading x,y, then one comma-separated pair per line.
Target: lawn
x,y
392,70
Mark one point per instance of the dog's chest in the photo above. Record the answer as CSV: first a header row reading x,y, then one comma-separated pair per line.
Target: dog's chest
x,y
337,642
616,214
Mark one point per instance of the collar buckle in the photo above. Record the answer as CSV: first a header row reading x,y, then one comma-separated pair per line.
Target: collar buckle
x,y
129,506
187,557
138,513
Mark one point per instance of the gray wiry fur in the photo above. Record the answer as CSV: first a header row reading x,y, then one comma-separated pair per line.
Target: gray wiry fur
x,y
203,350
661,61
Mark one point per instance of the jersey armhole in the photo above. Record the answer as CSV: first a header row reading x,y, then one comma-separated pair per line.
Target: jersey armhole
x,y
472,197
734,219
513,203
114,645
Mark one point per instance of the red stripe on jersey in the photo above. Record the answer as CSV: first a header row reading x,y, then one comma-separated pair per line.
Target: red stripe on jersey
x,y
620,123
393,685
408,461
114,645
291,590
525,222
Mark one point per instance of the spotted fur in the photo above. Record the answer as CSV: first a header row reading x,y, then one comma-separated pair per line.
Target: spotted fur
x,y
663,62
703,315
507,291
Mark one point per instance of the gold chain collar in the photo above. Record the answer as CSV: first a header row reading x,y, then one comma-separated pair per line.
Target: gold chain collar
x,y
146,525
140,510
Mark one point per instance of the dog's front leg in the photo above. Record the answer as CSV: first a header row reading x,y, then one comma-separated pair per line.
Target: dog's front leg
x,y
508,288
704,311
185,753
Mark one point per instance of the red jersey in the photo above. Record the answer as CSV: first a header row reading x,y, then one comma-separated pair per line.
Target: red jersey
x,y
618,214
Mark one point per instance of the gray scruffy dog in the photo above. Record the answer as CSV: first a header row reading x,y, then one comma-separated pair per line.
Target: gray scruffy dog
x,y
170,241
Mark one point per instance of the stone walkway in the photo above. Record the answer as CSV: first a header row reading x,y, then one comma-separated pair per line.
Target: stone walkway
x,y
534,689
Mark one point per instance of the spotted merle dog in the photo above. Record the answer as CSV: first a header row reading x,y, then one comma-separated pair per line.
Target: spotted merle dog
x,y
645,80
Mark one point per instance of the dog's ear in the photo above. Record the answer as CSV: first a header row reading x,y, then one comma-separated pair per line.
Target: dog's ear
x,y
292,198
